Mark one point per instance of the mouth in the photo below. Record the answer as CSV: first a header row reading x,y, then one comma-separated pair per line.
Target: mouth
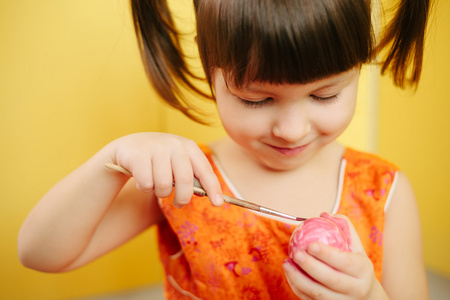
x,y
289,152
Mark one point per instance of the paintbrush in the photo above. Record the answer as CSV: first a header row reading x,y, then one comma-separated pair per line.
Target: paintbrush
x,y
199,191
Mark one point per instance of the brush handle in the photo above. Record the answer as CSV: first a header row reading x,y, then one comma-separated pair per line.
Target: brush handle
x,y
241,203
199,191
118,169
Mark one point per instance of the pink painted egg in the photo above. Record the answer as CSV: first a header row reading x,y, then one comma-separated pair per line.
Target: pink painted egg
x,y
319,229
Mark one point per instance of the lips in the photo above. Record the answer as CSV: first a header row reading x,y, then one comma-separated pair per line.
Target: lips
x,y
289,151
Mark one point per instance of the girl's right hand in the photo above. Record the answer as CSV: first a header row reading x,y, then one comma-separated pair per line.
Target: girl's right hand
x,y
156,160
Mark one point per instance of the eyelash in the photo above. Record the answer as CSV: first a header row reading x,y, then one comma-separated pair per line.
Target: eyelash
x,y
329,99
256,104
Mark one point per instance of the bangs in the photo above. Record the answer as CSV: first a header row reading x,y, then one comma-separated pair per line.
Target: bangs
x,y
282,42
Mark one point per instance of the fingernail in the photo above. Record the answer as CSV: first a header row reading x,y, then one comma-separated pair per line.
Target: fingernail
x,y
218,200
288,263
324,214
313,248
299,256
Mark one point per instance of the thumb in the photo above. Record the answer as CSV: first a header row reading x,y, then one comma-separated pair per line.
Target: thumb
x,y
348,229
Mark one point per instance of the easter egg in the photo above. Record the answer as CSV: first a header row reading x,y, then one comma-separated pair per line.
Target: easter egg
x,y
318,229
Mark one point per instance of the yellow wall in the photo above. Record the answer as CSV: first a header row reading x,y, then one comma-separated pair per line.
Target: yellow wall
x,y
71,80
69,71
415,134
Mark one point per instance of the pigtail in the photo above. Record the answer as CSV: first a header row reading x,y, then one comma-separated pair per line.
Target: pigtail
x,y
163,58
405,35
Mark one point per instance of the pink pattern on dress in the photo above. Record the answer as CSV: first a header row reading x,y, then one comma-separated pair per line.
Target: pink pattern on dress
x,y
186,235
376,236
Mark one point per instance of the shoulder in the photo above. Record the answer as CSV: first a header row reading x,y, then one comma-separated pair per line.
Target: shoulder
x,y
377,176
360,159
403,198
369,171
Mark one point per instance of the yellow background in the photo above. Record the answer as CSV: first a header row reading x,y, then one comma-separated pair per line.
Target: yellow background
x,y
71,80
414,133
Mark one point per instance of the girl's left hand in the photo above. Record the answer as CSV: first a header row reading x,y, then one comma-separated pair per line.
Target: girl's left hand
x,y
324,272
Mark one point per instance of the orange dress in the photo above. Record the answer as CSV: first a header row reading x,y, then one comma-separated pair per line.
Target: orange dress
x,y
232,253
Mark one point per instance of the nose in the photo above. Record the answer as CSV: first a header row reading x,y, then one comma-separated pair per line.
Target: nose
x,y
292,124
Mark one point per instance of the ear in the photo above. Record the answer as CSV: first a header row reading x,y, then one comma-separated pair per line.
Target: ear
x,y
348,229
196,39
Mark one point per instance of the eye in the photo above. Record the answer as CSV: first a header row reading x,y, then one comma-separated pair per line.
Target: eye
x,y
326,99
256,104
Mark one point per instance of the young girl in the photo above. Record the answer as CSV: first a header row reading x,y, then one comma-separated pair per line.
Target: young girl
x,y
284,76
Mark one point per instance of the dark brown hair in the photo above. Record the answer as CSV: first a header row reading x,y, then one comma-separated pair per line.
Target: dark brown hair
x,y
274,41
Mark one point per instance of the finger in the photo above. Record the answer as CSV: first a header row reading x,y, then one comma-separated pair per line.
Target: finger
x,y
295,276
143,175
320,263
204,172
162,174
355,265
303,285
183,177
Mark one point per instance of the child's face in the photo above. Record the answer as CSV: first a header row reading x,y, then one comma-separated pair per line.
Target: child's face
x,y
282,126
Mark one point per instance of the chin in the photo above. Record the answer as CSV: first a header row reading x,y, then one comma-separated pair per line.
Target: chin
x,y
279,165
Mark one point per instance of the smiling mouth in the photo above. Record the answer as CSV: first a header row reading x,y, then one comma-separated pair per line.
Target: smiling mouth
x,y
289,151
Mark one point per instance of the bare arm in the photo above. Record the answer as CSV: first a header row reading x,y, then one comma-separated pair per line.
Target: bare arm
x,y
80,218
93,209
403,268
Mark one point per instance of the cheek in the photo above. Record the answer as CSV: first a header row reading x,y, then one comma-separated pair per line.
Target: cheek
x,y
340,120
240,122
336,120
231,116
227,111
